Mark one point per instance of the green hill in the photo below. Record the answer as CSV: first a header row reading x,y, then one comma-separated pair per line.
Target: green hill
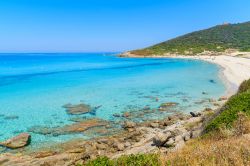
x,y
216,39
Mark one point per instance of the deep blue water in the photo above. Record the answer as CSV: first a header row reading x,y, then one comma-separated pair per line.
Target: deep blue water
x,y
34,87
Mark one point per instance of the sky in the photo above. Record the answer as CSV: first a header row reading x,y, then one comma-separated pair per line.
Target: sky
x,y
108,25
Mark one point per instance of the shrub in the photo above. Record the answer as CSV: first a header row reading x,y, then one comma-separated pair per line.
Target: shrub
x,y
230,111
130,160
244,87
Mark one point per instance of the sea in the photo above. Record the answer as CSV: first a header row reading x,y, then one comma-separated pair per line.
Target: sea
x,y
34,87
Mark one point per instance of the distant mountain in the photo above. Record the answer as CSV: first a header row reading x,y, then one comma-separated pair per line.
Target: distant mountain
x,y
217,39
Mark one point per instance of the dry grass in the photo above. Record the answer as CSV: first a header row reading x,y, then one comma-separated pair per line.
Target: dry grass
x,y
231,151
223,148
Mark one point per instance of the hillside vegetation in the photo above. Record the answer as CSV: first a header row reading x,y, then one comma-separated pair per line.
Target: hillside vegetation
x,y
226,141
216,39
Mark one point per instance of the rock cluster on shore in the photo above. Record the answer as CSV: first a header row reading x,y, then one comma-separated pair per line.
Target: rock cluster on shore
x,y
150,136
165,135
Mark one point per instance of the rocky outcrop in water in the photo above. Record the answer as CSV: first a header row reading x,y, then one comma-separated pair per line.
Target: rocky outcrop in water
x,y
77,127
166,106
16,142
77,109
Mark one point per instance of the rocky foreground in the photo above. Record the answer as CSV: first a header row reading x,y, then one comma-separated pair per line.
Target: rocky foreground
x,y
163,136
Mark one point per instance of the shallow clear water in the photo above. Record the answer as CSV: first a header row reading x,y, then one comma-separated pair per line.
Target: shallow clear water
x,y
34,87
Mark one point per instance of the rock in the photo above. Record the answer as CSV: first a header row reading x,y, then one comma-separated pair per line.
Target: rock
x,y
154,125
208,109
126,114
77,109
212,81
211,100
222,98
200,102
101,146
11,117
161,138
216,104
196,133
169,143
178,138
186,136
195,114
16,142
103,140
129,124
146,108
179,131
116,115
40,130
165,106
44,154
168,104
119,146
165,122
97,107
127,144
80,126
69,129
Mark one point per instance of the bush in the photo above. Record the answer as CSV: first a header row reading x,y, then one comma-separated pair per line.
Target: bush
x,y
244,87
130,160
230,111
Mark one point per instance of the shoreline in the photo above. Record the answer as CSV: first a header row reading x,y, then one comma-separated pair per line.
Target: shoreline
x,y
234,70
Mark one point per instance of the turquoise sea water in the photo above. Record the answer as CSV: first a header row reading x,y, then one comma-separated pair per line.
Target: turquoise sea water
x,y
34,87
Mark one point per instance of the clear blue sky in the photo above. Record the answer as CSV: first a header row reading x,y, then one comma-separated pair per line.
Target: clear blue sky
x,y
107,25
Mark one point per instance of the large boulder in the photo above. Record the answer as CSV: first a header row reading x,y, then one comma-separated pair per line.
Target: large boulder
x,y
16,142
161,138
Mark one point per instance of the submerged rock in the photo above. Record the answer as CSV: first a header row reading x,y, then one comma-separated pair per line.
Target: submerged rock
x,y
169,104
77,109
165,106
126,114
116,115
41,130
212,81
16,142
11,117
77,127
